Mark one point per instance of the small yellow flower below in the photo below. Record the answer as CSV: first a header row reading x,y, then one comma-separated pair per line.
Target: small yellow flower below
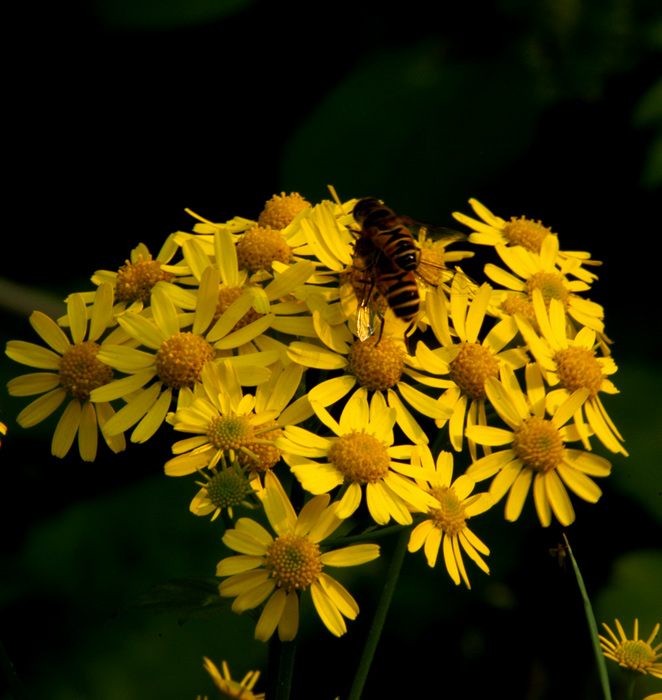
x,y
633,654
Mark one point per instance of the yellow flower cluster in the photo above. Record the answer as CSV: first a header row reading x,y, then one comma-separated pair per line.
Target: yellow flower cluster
x,y
337,348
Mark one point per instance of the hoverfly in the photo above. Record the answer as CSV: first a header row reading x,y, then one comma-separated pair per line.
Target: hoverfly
x,y
388,264
379,284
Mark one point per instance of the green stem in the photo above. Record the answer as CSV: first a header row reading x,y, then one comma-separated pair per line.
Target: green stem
x,y
281,667
380,615
629,693
593,628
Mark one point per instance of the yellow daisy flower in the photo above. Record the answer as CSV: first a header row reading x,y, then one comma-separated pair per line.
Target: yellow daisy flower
x,y
313,232
536,450
233,690
633,654
275,294
495,231
133,282
177,357
73,372
572,364
3,431
360,455
281,209
231,426
379,365
277,570
470,362
541,271
445,524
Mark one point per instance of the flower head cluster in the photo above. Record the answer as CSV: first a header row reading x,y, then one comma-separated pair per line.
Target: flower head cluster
x,y
301,347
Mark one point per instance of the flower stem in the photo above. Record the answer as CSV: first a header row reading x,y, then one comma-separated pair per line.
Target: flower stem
x,y
593,628
281,667
380,615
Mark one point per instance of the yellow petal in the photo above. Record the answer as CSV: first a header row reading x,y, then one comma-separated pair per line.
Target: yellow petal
x,y
66,429
32,355
328,612
35,383
41,408
50,332
311,355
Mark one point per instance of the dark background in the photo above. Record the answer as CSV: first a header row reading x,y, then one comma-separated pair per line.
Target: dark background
x,y
122,114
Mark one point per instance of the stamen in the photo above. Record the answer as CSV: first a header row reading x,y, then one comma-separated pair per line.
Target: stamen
x,y
471,368
180,359
450,516
377,364
281,209
227,488
360,457
259,247
551,286
529,234
538,443
80,372
135,280
230,432
294,561
578,368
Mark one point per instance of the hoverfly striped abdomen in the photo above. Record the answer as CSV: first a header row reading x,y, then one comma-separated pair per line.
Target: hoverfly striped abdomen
x,y
387,232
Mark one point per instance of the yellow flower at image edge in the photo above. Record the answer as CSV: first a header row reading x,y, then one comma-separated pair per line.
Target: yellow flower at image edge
x,y
277,569
73,372
233,689
633,654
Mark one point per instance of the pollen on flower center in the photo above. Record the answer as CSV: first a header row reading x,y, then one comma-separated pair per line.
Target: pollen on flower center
x,y
180,359
377,364
513,304
227,488
360,457
635,654
266,454
471,368
230,432
258,248
135,280
577,368
281,209
538,443
294,561
450,516
80,372
228,295
529,234
551,286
